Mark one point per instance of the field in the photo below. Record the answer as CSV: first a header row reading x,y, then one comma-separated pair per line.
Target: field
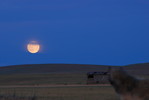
x,y
58,93
62,86
46,79
43,79
23,84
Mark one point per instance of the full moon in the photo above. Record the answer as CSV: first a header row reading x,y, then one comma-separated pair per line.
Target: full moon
x,y
33,47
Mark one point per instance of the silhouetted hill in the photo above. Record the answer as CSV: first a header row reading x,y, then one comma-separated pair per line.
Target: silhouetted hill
x,y
50,68
43,74
68,68
141,68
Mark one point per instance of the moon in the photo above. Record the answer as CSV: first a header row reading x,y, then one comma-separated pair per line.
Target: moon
x,y
33,47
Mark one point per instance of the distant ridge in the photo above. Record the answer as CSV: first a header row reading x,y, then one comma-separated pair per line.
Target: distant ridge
x,y
141,68
50,68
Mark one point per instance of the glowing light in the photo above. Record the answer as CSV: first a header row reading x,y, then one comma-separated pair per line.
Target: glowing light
x,y
33,47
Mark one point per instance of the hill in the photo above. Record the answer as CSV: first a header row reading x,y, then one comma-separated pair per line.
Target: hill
x,y
43,74
141,68
50,68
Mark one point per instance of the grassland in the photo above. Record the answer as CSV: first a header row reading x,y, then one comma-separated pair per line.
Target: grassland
x,y
42,79
18,84
62,86
46,79
60,93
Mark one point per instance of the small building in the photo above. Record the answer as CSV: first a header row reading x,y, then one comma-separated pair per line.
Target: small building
x,y
97,77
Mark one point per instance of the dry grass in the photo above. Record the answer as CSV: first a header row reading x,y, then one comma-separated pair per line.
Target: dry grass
x,y
52,93
41,79
60,93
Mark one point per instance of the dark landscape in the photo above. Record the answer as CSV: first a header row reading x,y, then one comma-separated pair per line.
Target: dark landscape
x,y
59,81
43,74
141,68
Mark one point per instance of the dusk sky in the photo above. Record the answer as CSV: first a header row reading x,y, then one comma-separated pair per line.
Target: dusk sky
x,y
99,32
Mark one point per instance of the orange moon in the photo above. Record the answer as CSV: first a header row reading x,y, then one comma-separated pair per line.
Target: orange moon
x,y
33,47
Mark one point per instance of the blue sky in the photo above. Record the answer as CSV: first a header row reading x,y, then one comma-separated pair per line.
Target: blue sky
x,y
101,32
